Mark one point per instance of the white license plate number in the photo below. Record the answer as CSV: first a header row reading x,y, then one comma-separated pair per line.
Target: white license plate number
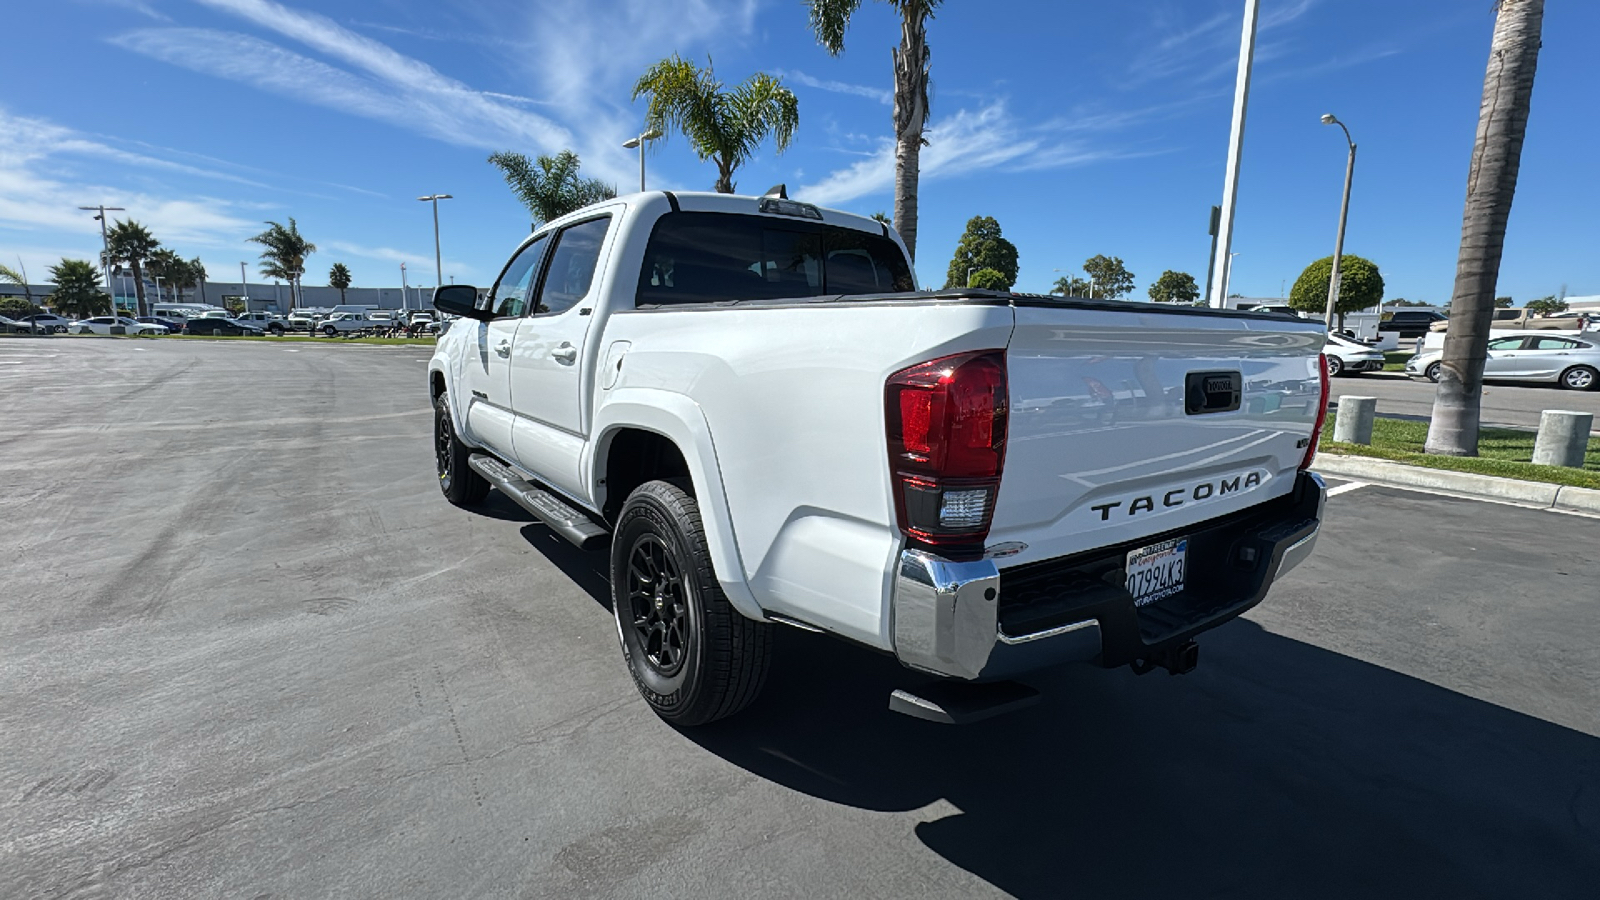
x,y
1157,571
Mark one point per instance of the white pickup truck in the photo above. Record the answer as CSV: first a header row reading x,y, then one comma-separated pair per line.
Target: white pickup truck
x,y
747,398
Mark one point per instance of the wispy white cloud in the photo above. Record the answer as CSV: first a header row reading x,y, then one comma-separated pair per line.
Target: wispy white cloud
x,y
881,95
419,265
1207,49
964,143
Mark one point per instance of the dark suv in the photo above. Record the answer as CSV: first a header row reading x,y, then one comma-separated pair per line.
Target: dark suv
x,y
1411,323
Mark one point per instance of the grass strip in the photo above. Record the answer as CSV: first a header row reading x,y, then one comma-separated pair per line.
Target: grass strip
x,y
1502,452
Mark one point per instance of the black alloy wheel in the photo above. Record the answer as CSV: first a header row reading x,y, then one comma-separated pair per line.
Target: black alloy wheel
x,y
459,484
658,605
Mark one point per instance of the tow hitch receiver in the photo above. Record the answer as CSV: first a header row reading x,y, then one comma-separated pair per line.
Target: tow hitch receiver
x,y
961,702
1179,660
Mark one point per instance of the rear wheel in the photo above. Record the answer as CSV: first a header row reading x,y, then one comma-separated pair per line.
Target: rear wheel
x,y
275,329
1580,378
693,657
1433,373
460,484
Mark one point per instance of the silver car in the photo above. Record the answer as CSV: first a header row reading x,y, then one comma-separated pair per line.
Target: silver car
x,y
1570,360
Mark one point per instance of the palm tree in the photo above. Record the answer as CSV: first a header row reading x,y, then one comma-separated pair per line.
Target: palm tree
x,y
549,186
285,256
197,270
1491,182
133,244
725,126
830,19
78,294
171,269
339,277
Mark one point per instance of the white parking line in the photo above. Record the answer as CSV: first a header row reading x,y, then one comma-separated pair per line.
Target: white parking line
x,y
1347,486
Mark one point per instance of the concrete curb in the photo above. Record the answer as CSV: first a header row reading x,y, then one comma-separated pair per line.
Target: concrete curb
x,y
1508,490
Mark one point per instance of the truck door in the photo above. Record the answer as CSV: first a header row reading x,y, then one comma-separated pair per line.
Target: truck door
x,y
551,363
487,374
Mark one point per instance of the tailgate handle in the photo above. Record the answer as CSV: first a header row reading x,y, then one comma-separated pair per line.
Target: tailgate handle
x,y
1212,392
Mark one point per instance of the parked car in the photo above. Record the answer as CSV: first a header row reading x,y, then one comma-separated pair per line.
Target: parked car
x,y
347,322
1346,357
271,323
103,325
1571,361
213,325
12,326
173,326
1411,322
1518,319
302,320
804,438
44,323
422,321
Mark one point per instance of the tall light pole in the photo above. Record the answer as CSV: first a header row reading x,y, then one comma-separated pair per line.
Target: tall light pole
x,y
105,245
438,268
405,299
1344,211
244,288
648,135
1230,182
1227,277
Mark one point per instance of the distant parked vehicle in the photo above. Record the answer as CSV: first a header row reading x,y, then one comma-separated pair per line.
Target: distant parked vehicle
x,y
271,323
104,324
347,322
183,310
302,320
12,326
1520,319
1411,323
1572,361
214,326
1346,357
173,326
45,323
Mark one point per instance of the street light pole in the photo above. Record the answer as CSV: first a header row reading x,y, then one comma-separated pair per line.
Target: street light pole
x,y
639,142
1230,182
244,288
405,299
105,246
1227,278
1344,212
438,267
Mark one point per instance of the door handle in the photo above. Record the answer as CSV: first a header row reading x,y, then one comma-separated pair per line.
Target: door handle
x,y
565,353
503,348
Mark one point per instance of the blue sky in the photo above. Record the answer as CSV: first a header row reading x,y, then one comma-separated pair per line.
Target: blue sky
x,y
1083,128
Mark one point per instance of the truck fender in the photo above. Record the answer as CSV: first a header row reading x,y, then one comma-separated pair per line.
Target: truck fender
x,y
680,420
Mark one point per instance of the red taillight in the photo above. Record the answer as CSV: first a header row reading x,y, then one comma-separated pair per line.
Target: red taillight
x,y
947,444
1322,414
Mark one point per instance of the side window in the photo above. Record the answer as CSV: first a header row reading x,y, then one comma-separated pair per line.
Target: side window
x,y
510,296
1550,343
572,265
1509,343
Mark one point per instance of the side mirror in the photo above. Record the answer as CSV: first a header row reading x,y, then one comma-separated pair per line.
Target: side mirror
x,y
460,300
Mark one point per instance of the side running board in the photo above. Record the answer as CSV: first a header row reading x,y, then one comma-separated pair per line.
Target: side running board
x,y
553,511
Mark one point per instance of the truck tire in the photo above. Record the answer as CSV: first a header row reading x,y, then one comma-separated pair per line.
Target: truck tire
x,y
460,484
694,658
330,331
275,329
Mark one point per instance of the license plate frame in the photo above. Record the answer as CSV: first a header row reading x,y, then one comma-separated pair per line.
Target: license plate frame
x,y
1156,571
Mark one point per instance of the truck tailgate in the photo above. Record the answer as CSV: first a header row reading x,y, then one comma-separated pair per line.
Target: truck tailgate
x,y
1109,442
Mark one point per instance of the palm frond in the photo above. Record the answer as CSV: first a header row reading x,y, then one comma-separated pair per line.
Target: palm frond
x,y
830,19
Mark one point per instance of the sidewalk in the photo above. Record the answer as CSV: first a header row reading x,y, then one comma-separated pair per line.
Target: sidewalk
x,y
1536,494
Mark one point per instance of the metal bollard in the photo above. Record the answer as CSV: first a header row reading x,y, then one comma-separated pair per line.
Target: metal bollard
x,y
1353,425
1563,438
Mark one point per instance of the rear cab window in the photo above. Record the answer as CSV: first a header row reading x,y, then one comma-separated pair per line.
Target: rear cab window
x,y
698,257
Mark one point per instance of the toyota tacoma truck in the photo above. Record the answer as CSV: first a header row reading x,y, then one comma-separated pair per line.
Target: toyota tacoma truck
x,y
749,402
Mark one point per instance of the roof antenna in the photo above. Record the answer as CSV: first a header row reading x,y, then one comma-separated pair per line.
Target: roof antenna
x,y
778,190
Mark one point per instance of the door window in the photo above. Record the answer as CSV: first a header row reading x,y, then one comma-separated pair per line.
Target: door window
x,y
572,266
1550,343
1510,343
510,296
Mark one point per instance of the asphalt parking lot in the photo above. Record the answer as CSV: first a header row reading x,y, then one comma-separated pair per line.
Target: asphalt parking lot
x,y
1504,403
249,651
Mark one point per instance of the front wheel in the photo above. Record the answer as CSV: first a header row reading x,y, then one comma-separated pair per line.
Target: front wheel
x,y
694,658
275,330
460,484
1432,372
1580,378
1335,366
330,331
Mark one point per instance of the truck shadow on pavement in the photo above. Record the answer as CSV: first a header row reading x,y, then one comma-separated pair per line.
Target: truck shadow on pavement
x,y
1277,769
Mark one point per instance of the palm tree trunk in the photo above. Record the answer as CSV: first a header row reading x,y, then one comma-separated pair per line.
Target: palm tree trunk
x,y
138,286
724,177
1491,182
910,115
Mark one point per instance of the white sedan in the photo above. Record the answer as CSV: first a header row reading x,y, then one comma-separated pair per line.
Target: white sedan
x,y
1571,361
1346,357
102,325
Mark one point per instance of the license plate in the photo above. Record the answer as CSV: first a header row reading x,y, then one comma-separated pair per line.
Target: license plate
x,y
1157,571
